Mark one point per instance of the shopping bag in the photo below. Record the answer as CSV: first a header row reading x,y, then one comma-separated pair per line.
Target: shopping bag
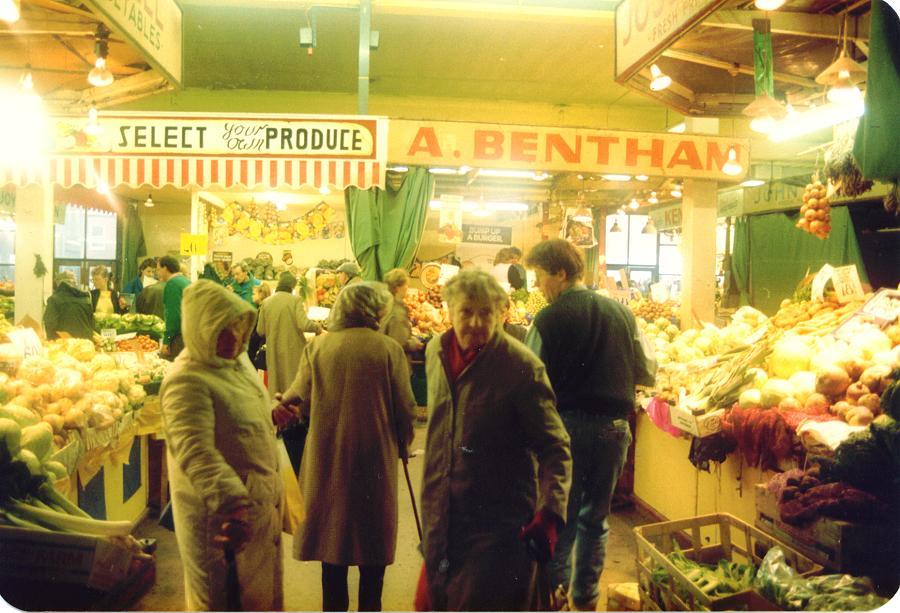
x,y
293,513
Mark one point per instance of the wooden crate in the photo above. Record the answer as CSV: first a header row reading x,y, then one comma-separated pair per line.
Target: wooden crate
x,y
707,539
868,549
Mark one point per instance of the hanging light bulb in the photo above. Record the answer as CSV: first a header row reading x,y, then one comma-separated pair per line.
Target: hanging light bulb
x,y
324,190
634,204
765,111
844,91
732,166
676,191
10,11
658,80
149,202
649,227
769,5
102,187
653,199
100,76
92,127
615,227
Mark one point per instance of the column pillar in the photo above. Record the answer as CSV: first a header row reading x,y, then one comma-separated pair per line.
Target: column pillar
x,y
698,240
198,226
34,236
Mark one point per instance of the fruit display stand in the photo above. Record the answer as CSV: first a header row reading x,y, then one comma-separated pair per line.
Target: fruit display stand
x,y
706,539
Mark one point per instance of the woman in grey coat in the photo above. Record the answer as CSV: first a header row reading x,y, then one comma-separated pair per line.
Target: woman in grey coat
x,y
353,384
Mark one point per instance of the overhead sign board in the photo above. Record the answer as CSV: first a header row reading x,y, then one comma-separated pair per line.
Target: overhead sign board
x,y
152,26
447,143
667,217
480,233
645,28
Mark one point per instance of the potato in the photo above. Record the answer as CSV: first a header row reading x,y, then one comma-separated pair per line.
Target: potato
x,y
859,416
871,402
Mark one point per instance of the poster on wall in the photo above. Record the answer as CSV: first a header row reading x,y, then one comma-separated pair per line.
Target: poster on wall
x,y
450,226
578,230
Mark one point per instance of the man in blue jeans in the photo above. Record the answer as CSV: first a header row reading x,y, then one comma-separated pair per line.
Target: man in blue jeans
x,y
595,355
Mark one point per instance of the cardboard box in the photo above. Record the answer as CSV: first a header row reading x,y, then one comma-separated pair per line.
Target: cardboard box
x,y
59,557
699,425
623,597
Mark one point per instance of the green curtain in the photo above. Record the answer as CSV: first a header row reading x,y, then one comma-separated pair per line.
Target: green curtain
x,y
740,259
133,246
875,148
386,226
781,255
592,254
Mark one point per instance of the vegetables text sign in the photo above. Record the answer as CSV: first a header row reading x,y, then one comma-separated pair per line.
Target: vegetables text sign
x,y
445,143
492,235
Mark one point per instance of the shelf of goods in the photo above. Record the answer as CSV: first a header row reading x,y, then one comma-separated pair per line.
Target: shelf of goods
x,y
73,473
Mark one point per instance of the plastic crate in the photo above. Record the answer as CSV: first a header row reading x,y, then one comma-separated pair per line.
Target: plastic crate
x,y
707,539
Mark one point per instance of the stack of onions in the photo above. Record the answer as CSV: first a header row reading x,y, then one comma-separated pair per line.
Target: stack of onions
x,y
815,214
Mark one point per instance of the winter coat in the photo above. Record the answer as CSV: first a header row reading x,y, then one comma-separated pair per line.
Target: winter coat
x,y
221,456
398,326
496,452
282,321
150,300
354,386
69,310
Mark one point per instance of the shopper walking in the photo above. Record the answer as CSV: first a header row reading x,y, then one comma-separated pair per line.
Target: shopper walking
x,y
223,463
169,272
495,447
281,325
397,325
68,309
105,300
595,355
353,384
243,282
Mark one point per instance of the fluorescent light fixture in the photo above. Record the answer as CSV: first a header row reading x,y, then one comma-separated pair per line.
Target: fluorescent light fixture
x,y
769,5
732,166
507,206
398,168
641,177
678,128
477,207
658,80
634,204
508,174
481,212
540,176
813,120
443,171
752,183
10,11
617,177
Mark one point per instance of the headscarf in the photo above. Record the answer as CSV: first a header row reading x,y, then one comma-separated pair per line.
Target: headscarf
x,y
360,305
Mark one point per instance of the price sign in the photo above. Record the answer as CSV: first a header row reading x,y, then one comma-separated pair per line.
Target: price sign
x,y
108,333
221,256
448,271
194,244
819,281
530,279
884,306
846,284
26,340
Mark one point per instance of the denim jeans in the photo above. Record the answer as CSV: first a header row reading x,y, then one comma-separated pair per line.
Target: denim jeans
x,y
599,450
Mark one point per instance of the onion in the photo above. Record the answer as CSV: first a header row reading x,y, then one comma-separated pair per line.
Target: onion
x,y
817,404
871,402
856,391
832,380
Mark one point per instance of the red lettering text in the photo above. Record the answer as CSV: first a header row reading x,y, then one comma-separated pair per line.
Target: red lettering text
x,y
603,143
425,140
558,143
686,154
655,153
488,145
716,158
522,145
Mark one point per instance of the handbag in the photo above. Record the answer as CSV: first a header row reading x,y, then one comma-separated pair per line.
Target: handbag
x,y
293,513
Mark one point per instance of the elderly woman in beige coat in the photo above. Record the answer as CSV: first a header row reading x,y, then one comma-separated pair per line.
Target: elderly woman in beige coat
x,y
353,383
497,463
223,465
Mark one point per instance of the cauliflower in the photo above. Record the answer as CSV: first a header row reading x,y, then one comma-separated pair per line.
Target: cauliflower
x,y
136,395
107,380
36,370
81,349
101,362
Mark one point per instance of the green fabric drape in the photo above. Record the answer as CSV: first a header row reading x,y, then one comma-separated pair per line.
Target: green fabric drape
x,y
875,148
133,246
740,259
780,255
386,226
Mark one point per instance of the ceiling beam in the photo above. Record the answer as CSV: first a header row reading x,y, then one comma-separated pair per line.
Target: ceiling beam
x,y
696,58
60,7
122,90
789,24
72,50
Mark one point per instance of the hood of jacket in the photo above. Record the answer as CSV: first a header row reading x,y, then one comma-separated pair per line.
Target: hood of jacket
x,y
206,309
65,288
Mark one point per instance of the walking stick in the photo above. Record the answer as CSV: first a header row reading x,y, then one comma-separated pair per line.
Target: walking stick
x,y
232,585
412,498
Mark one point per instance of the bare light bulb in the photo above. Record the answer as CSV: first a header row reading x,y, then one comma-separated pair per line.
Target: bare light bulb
x,y
676,192
100,76
634,204
769,5
732,167
149,202
653,199
324,190
659,81
10,11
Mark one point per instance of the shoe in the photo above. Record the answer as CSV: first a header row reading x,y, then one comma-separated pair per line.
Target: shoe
x,y
559,599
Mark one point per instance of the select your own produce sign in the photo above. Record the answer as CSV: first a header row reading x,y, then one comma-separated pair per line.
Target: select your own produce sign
x,y
494,235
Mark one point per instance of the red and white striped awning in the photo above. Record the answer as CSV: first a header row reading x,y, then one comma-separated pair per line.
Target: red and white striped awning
x,y
202,172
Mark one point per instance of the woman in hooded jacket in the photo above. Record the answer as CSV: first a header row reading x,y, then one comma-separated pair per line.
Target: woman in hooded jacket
x,y
223,462
353,385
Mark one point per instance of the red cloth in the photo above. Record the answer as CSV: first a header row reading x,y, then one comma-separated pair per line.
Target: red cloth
x,y
421,601
762,435
543,531
457,359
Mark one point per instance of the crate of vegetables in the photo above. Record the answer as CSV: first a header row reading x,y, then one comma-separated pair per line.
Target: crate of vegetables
x,y
138,343
705,563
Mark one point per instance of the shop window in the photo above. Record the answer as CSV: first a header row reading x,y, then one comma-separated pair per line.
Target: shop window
x,y
630,246
86,239
617,242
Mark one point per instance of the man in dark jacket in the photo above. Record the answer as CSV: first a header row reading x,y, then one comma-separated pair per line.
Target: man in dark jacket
x,y
595,354
150,300
68,310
